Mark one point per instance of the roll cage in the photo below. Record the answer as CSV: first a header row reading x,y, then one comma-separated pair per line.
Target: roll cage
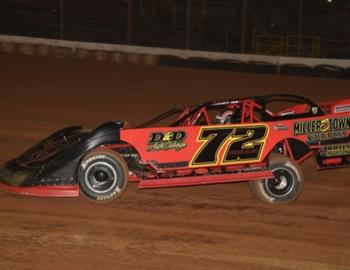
x,y
246,110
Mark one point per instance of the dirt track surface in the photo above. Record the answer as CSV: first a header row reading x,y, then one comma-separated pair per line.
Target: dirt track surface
x,y
206,227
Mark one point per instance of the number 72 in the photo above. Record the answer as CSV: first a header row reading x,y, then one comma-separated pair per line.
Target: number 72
x,y
242,144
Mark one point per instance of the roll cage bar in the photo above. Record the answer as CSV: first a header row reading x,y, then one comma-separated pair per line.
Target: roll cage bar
x,y
260,102
265,100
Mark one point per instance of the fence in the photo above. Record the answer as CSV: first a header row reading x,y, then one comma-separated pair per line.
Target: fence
x,y
238,26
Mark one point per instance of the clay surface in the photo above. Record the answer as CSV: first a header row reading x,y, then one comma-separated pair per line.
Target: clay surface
x,y
205,227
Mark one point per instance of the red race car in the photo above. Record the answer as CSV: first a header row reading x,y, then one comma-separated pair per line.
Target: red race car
x,y
214,142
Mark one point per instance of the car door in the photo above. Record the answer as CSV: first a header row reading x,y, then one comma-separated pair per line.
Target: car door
x,y
199,146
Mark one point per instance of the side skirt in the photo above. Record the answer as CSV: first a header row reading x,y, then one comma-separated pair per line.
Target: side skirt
x,y
205,179
42,191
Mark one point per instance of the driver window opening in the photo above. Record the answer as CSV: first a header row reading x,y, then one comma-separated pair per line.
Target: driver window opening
x,y
223,115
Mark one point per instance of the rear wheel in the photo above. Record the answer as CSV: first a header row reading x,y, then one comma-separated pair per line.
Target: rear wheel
x,y
286,185
103,175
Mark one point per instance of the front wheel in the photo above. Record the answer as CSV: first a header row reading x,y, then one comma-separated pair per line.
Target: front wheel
x,y
103,175
286,185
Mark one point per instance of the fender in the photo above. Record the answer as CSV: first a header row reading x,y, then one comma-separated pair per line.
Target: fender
x,y
296,149
58,164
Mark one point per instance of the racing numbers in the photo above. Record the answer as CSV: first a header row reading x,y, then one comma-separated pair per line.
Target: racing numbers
x,y
214,139
241,144
246,145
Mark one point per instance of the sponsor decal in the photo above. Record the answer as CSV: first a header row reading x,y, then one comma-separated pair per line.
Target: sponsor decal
x,y
171,140
226,102
335,150
316,137
326,108
319,126
280,127
287,113
342,108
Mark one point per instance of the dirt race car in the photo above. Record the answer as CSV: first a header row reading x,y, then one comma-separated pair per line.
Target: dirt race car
x,y
214,142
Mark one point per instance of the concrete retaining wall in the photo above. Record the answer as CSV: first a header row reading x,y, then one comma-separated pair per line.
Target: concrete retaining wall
x,y
149,55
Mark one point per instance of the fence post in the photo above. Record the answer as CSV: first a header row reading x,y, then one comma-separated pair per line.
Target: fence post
x,y
61,19
188,17
174,14
300,25
243,29
129,22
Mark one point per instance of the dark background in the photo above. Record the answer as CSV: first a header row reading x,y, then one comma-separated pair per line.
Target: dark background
x,y
314,28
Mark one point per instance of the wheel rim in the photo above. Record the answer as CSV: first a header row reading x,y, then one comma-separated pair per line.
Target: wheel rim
x,y
282,184
101,177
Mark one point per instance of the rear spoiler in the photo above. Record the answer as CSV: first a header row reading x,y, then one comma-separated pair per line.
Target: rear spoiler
x,y
335,106
328,107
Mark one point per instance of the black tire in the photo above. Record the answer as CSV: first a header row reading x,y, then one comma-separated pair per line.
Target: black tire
x,y
285,187
103,175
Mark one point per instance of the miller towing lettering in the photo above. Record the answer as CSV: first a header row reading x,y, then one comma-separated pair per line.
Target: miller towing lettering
x,y
318,126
